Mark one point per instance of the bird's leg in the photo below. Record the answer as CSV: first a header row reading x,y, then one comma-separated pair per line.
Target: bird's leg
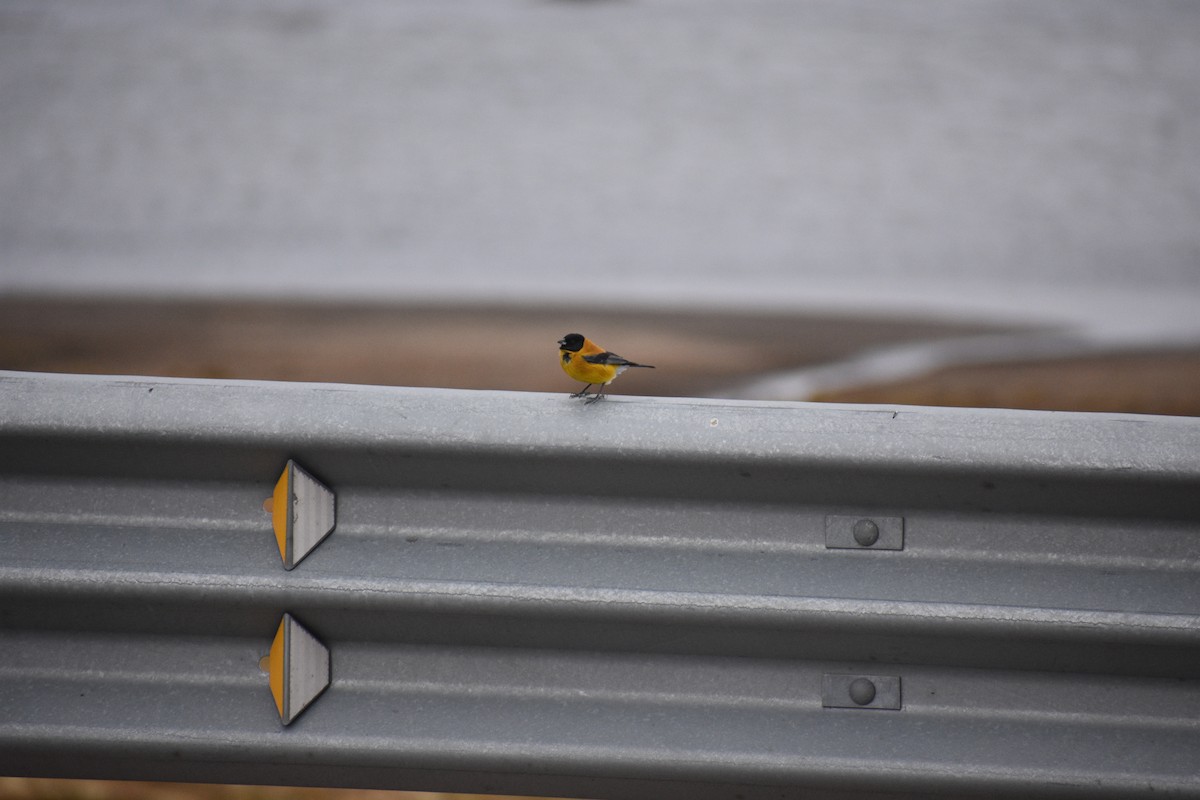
x,y
599,393
582,391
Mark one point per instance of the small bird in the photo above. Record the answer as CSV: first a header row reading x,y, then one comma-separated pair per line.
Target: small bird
x,y
587,362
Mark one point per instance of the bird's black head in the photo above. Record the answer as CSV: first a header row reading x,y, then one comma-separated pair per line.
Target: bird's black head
x,y
572,342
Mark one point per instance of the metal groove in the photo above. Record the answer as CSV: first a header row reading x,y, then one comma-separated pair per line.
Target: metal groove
x,y
623,600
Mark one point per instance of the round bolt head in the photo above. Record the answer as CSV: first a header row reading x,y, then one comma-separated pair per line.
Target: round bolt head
x,y
866,532
862,691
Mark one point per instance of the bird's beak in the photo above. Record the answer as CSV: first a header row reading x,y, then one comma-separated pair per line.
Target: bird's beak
x,y
561,342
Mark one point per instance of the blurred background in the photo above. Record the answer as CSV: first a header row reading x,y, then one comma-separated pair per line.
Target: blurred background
x,y
991,203
988,203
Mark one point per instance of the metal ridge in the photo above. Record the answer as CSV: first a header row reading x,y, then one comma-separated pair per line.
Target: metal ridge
x,y
624,600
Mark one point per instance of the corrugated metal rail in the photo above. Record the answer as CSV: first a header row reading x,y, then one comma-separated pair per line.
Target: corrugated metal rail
x,y
641,598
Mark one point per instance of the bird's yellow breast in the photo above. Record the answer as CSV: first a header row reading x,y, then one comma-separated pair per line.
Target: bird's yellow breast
x,y
584,371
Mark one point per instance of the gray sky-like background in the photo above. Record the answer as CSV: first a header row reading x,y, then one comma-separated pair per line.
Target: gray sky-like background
x,y
1011,159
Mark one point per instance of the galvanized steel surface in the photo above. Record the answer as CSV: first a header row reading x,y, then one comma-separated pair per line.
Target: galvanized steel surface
x,y
630,599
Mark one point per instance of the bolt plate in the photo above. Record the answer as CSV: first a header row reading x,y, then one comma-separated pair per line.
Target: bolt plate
x,y
839,532
835,691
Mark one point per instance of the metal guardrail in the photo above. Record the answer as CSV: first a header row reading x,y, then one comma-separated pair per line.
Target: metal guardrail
x,y
638,598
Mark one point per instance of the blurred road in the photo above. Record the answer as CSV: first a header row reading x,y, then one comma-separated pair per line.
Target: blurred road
x,y
992,160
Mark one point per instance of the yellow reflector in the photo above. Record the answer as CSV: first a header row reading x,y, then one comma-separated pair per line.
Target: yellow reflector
x,y
281,508
303,512
298,668
277,667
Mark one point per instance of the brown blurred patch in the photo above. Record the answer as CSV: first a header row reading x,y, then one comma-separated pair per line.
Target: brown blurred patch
x,y
1152,382
470,348
496,347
